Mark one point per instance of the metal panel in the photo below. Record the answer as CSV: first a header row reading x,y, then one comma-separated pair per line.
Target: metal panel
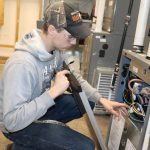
x,y
131,132
139,65
100,53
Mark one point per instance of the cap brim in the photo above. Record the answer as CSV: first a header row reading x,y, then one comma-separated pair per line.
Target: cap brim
x,y
81,30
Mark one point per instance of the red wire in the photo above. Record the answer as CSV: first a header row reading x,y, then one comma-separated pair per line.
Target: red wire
x,y
133,80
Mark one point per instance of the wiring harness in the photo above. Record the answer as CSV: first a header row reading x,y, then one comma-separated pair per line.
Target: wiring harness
x,y
136,94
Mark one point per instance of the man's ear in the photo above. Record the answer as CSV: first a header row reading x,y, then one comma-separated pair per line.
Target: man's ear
x,y
51,29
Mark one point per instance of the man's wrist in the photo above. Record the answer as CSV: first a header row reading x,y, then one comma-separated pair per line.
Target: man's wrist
x,y
52,92
101,101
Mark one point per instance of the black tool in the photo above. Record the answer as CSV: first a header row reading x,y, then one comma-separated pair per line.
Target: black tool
x,y
74,88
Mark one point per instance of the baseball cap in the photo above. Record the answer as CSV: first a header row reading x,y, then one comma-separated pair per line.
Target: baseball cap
x,y
62,15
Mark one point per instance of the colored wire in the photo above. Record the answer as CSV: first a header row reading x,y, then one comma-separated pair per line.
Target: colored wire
x,y
137,120
135,80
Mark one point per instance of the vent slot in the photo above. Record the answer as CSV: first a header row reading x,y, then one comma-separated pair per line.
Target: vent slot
x,y
102,82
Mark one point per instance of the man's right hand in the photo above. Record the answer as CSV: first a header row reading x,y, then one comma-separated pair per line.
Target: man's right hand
x,y
61,83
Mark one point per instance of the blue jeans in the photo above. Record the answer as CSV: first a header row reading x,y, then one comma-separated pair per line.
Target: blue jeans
x,y
47,136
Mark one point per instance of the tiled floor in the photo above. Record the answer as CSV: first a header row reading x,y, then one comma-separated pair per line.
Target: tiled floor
x,y
103,122
83,126
5,144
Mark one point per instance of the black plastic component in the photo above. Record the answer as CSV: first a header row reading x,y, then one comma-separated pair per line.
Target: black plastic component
x,y
102,53
125,70
105,46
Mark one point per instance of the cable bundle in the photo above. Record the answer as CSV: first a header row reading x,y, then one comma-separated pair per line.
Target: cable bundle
x,y
136,94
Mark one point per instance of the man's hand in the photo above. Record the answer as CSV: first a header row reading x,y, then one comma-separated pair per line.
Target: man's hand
x,y
114,107
61,83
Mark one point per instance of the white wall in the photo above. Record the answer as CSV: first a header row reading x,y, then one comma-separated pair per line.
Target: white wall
x,y
29,14
8,29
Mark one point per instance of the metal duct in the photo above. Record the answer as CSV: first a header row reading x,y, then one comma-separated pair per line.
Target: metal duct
x,y
141,25
99,14
108,15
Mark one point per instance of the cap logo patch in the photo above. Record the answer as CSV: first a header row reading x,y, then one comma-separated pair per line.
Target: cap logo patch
x,y
76,17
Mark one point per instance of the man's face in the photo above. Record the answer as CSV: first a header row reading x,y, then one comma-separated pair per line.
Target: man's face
x,y
63,40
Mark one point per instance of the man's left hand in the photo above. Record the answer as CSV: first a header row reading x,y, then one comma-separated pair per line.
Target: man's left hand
x,y
114,107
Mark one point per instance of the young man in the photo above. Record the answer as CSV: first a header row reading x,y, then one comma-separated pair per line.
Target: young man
x,y
30,107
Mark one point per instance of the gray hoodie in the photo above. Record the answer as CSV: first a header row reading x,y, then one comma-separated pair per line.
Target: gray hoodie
x,y
26,78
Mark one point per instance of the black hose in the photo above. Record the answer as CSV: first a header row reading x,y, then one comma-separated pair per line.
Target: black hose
x,y
127,20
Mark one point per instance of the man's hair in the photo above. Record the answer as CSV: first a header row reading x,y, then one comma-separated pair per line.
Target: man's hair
x,y
45,27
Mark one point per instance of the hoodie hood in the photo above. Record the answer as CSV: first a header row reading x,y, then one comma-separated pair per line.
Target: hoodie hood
x,y
33,44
